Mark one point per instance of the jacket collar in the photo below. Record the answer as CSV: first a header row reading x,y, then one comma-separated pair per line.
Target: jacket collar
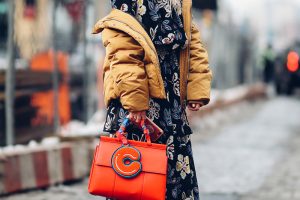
x,y
117,19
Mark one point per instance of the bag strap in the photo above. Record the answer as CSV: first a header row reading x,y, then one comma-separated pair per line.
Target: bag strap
x,y
121,134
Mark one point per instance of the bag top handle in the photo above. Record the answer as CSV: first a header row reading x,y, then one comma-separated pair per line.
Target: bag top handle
x,y
121,134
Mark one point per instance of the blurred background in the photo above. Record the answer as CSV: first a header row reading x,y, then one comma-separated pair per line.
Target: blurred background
x,y
50,65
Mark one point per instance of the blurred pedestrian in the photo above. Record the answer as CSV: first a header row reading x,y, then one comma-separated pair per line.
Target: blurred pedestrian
x,y
156,66
268,63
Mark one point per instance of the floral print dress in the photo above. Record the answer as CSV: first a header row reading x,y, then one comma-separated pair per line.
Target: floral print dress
x,y
168,114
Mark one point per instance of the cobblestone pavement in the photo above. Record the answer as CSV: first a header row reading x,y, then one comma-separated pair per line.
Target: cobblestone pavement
x,y
253,153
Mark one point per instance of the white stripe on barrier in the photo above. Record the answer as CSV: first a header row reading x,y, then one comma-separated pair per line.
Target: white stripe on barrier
x,y
28,179
80,159
55,166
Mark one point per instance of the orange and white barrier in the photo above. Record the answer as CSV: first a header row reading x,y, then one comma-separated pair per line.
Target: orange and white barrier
x,y
42,166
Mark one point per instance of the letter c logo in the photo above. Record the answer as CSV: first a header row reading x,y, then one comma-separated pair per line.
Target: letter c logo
x,y
126,161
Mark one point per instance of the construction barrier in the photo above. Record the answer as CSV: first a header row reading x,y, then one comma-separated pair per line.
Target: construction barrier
x,y
43,166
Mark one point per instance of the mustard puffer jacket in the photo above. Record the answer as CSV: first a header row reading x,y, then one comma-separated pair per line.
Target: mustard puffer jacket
x,y
131,68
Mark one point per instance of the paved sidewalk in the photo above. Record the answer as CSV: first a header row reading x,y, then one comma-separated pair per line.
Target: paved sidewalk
x,y
256,159
284,181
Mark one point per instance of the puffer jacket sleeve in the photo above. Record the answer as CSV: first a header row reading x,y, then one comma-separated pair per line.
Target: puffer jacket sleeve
x,y
127,68
200,75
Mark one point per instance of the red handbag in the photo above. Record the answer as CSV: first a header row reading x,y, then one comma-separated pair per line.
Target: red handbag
x,y
129,170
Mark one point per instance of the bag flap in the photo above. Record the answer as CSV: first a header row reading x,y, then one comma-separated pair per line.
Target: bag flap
x,y
153,157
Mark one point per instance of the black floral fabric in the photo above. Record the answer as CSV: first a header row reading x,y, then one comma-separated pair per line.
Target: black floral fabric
x,y
162,19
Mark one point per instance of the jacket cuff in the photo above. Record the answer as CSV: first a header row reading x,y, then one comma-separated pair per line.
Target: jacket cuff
x,y
136,104
199,89
203,101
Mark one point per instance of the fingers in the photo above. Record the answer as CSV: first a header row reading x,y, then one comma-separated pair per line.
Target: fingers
x,y
194,106
197,107
143,115
137,116
131,116
140,115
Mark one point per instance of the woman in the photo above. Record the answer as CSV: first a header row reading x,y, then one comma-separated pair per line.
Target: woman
x,y
156,66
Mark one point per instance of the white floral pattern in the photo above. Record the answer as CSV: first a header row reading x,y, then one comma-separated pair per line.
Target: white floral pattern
x,y
183,165
141,10
170,147
177,6
176,85
153,112
124,7
184,196
162,19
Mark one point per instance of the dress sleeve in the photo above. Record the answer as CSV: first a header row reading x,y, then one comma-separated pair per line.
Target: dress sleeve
x,y
128,69
200,75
